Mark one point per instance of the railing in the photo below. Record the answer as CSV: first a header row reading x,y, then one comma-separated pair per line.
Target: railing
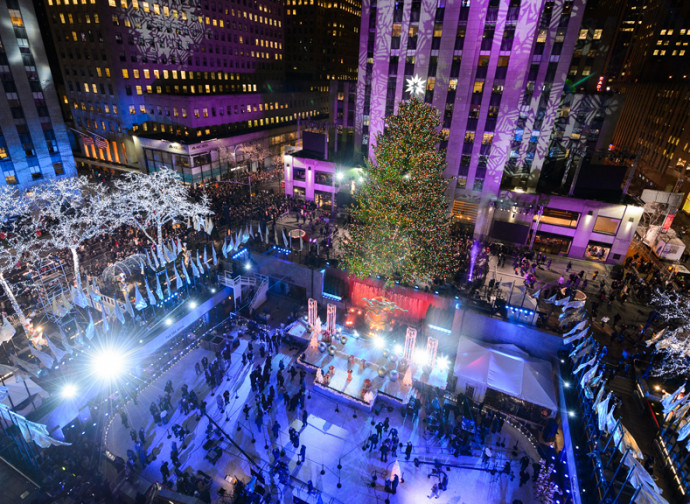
x,y
258,282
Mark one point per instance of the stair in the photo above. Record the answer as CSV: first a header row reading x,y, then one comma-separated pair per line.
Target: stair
x,y
251,288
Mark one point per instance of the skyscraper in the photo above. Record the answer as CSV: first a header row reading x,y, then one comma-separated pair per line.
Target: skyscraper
x,y
495,69
320,39
654,122
178,83
34,145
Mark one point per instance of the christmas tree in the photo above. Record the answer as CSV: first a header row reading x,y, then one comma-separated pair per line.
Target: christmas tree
x,y
401,224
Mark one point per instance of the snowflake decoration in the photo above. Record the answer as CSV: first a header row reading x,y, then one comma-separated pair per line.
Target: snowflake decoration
x,y
415,85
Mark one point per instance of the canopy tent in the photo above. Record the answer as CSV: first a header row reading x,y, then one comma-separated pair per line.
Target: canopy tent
x,y
507,369
17,393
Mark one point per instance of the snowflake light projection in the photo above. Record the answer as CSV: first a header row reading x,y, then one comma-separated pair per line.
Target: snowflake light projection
x,y
416,85
167,38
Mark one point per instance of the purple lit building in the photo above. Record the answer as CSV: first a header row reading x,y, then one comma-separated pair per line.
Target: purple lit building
x,y
179,83
495,69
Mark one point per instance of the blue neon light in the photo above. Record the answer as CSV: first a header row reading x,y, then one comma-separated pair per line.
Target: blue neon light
x,y
442,329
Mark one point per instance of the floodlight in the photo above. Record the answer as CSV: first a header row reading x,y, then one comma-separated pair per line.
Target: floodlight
x,y
248,265
398,349
192,304
379,342
168,321
421,358
339,176
69,391
108,364
443,363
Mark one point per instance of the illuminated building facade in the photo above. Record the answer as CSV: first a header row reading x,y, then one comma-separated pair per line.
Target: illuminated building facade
x,y
495,69
178,72
320,37
655,119
34,144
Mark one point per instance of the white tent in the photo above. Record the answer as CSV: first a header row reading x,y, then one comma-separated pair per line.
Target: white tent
x,y
507,369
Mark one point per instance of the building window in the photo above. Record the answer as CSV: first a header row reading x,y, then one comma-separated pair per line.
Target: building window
x,y
558,217
10,176
606,225
35,172
58,168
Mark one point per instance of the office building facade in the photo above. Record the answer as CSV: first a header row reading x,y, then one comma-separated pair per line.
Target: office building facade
x,y
34,144
177,72
495,69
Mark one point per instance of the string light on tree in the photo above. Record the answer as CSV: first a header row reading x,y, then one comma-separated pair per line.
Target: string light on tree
x,y
401,227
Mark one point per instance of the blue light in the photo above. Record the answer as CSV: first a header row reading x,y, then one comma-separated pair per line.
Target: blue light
x,y
331,296
441,329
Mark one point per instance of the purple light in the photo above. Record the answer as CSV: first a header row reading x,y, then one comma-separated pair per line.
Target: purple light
x,y
473,257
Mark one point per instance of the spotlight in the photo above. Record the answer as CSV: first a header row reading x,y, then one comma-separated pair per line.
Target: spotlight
x,y
213,291
248,266
69,391
566,384
421,358
339,176
398,349
192,304
108,364
168,321
571,414
379,342
443,363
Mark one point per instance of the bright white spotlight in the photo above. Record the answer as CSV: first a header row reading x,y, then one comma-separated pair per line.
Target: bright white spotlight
x,y
69,391
248,265
192,304
339,176
108,364
168,321
443,363
379,342
421,358
398,349
213,291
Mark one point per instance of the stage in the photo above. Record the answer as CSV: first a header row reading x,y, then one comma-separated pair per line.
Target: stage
x,y
368,360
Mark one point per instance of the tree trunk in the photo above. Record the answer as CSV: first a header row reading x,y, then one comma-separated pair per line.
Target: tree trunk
x,y
10,295
159,228
75,260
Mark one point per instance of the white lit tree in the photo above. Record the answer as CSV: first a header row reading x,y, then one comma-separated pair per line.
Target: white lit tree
x,y
672,342
151,201
17,241
75,210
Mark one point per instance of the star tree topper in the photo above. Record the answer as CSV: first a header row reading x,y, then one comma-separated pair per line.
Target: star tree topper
x,y
416,85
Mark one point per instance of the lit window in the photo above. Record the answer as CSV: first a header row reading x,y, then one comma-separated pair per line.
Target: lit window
x,y
86,87
583,34
142,109
135,73
139,90
125,73
597,34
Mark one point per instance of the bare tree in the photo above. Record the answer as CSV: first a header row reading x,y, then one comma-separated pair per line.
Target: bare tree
x,y
673,340
18,240
150,201
75,210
